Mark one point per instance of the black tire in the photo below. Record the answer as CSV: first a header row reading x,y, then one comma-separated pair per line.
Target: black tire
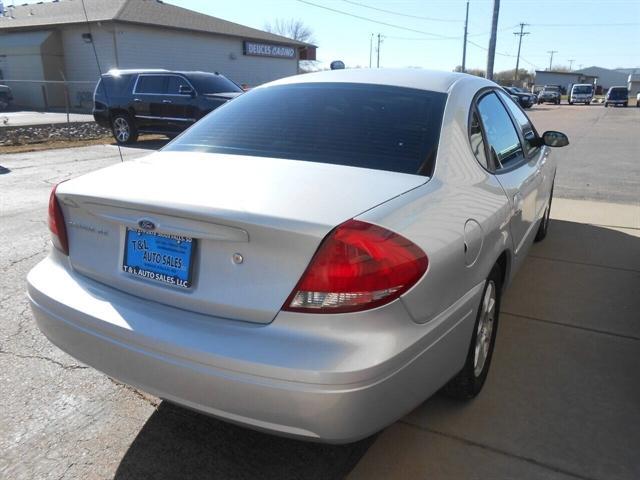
x,y
606,105
570,103
469,381
124,130
625,104
543,229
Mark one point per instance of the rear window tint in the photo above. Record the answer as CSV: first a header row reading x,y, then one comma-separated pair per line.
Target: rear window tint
x,y
119,85
360,125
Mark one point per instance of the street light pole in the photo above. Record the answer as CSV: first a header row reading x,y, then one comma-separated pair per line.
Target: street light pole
x,y
464,45
492,41
379,41
370,49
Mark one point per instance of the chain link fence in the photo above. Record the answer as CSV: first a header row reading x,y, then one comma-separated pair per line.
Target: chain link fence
x,y
58,95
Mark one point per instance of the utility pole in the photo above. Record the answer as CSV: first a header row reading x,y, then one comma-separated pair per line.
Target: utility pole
x,y
520,34
464,45
379,41
551,58
370,49
571,64
492,41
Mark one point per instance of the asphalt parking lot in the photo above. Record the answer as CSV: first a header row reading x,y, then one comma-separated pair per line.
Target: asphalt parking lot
x,y
562,400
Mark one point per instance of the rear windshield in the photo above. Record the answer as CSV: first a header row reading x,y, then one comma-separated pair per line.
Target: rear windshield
x,y
361,125
114,85
618,93
582,89
210,83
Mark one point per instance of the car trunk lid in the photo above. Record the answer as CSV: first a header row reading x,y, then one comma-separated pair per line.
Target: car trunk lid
x,y
256,223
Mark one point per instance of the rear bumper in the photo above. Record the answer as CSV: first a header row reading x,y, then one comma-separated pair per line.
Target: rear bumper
x,y
102,117
291,377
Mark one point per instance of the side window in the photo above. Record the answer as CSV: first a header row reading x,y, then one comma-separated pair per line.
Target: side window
x,y
173,84
477,142
151,84
531,139
502,137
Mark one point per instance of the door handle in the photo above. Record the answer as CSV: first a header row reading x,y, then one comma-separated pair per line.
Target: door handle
x,y
137,100
167,101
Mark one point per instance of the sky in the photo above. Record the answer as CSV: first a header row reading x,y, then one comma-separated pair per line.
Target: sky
x,y
584,33
602,33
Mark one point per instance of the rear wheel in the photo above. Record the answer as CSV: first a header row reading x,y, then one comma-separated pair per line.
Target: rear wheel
x,y
606,104
124,130
469,381
543,229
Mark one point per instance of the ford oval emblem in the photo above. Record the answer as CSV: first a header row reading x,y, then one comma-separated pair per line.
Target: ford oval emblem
x,y
146,224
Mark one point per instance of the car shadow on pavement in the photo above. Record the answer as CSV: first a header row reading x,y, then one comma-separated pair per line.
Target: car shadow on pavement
x,y
153,142
179,443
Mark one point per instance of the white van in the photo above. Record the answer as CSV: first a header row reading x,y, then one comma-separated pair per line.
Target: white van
x,y
581,93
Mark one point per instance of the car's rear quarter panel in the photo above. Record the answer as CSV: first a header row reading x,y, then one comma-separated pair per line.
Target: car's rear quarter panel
x,y
434,216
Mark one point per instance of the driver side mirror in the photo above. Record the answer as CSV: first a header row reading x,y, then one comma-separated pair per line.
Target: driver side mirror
x,y
185,90
552,138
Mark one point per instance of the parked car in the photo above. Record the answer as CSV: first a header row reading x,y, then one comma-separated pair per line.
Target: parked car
x,y
130,102
6,97
638,100
524,98
550,94
617,96
315,259
581,93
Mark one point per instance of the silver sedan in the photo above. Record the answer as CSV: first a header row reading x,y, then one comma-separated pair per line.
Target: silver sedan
x,y
314,259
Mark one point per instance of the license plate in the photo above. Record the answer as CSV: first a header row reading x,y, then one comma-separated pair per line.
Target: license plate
x,y
159,257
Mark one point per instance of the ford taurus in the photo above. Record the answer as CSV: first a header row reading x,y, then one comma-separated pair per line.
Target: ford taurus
x,y
314,258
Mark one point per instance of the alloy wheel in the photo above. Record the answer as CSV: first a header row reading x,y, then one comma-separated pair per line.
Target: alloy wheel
x,y
484,333
121,129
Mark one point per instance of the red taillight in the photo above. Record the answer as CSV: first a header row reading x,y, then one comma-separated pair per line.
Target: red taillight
x,y
56,224
357,267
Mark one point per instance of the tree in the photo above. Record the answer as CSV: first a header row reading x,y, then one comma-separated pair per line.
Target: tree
x,y
296,30
478,72
506,77
292,28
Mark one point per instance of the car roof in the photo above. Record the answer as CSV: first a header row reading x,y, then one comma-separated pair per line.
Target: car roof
x,y
432,80
116,72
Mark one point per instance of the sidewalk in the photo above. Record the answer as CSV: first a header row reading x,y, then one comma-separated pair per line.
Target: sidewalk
x,y
562,399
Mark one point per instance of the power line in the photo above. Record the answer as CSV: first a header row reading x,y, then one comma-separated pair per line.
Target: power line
x,y
585,24
459,37
342,12
401,14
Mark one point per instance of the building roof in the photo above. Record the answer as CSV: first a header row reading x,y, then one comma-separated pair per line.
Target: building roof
x,y
147,12
574,73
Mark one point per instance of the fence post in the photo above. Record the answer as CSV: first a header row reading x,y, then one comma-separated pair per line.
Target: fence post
x,y
44,96
66,105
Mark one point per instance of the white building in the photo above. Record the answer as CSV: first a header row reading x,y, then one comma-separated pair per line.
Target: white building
x,y
53,41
